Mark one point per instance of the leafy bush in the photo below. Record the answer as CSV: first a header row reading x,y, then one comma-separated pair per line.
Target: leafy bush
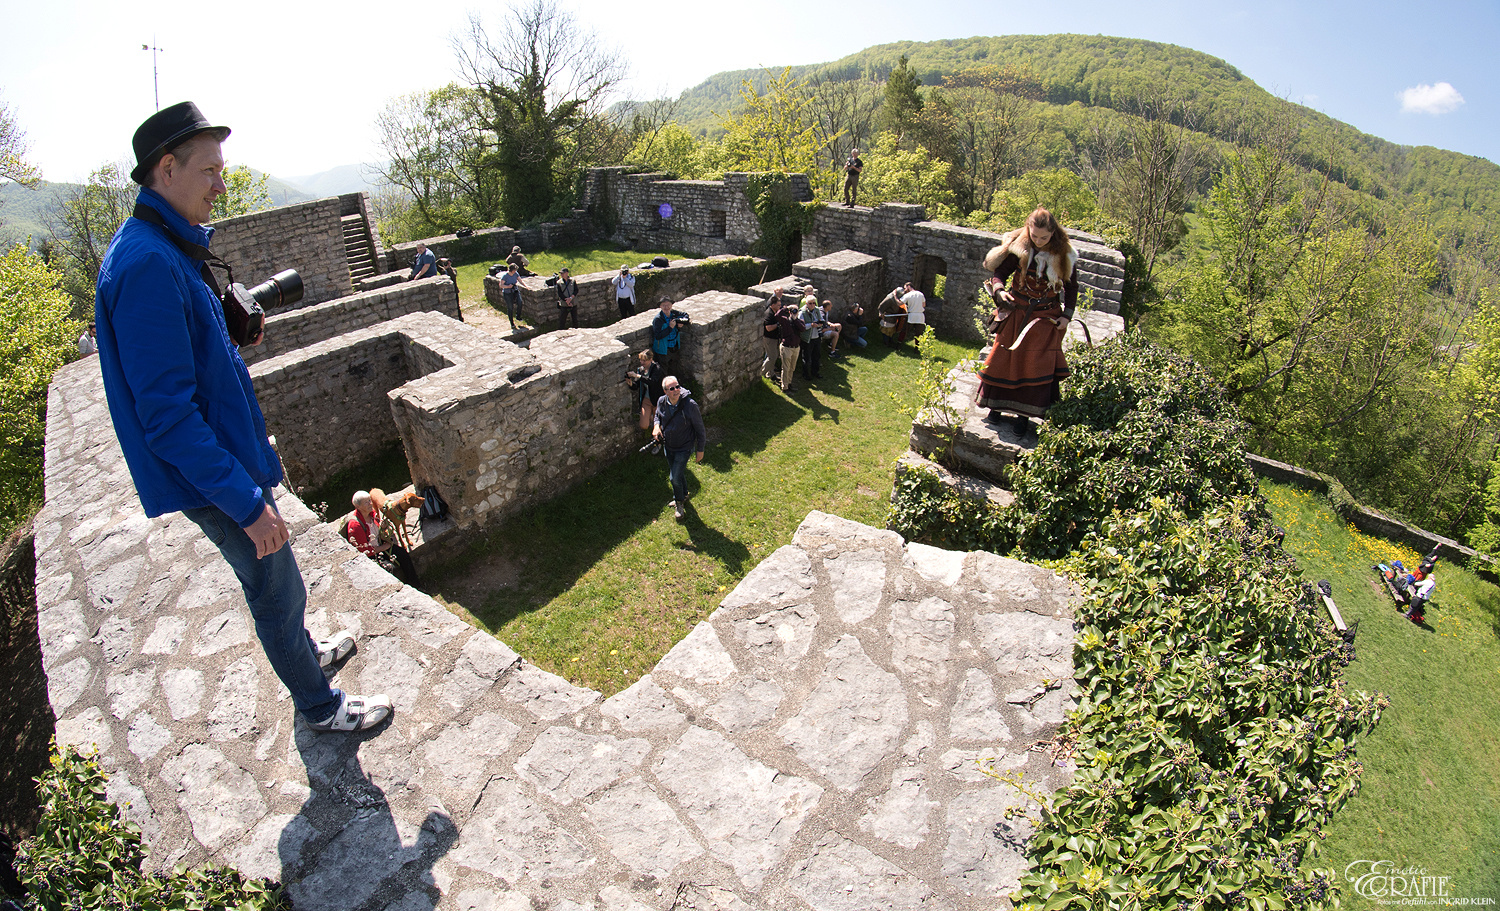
x,y
84,857
1136,423
1214,734
36,338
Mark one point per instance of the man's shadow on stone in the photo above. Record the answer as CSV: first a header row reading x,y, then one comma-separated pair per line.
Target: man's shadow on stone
x,y
711,542
346,850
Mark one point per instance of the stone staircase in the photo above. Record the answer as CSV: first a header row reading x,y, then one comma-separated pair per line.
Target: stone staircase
x,y
357,247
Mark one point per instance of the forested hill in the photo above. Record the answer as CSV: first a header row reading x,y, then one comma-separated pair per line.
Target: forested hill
x,y
1102,72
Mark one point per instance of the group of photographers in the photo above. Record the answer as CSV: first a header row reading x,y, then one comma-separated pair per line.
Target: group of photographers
x,y
790,334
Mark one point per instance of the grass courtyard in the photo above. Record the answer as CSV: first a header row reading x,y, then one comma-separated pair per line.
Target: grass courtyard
x,y
1430,794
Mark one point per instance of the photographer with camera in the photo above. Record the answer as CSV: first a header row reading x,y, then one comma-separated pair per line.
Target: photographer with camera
x,y
567,300
679,428
183,407
646,380
666,340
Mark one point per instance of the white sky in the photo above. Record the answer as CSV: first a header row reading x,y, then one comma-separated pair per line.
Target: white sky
x,y
285,75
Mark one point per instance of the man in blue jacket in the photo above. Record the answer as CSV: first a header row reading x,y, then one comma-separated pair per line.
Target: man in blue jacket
x,y
184,410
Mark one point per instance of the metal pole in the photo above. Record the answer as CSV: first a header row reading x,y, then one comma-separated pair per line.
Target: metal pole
x,y
155,85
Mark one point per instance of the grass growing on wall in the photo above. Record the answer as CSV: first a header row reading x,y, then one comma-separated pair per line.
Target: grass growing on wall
x,y
600,583
1430,794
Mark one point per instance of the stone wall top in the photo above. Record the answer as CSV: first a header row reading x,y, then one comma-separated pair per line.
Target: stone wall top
x,y
861,685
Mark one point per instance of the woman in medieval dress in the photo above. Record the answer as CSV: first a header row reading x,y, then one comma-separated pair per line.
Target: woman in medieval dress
x,y
1026,366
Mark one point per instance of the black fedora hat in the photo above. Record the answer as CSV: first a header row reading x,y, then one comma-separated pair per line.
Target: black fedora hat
x,y
165,130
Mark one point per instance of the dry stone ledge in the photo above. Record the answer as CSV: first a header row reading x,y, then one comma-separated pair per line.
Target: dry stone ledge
x,y
824,740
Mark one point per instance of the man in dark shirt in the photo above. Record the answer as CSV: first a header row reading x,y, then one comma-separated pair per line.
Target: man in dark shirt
x,y
852,167
567,300
679,426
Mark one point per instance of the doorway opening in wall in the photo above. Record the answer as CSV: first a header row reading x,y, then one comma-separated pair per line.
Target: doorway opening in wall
x,y
794,249
929,275
718,223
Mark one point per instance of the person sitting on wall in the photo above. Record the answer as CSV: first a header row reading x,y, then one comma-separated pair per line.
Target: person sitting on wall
x,y
666,338
646,380
567,300
367,533
425,265
892,315
833,331
519,260
853,325
624,285
510,290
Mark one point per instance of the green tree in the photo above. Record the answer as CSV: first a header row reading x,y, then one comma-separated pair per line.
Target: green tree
x,y
1063,193
86,223
773,131
544,80
439,174
982,118
911,175
37,336
243,193
13,164
903,100
672,149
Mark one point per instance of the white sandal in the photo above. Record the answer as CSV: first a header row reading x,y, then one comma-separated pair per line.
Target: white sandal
x,y
335,648
356,713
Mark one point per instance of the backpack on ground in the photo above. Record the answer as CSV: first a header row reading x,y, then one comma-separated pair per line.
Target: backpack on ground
x,y
433,506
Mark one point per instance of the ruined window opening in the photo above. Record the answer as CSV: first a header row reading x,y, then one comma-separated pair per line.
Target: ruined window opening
x,y
718,223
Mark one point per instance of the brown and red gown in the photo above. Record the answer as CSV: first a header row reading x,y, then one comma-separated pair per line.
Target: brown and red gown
x,y
1026,381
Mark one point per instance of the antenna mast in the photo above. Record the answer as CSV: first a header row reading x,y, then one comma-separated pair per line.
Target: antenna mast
x,y
155,86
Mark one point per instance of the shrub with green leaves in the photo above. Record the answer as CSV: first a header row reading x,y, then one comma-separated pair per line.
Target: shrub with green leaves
x,y
1135,423
1214,735
36,337
83,857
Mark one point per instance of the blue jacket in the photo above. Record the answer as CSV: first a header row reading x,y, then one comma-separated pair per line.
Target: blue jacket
x,y
664,336
179,393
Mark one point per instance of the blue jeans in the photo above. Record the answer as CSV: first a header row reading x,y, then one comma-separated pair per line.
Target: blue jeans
x,y
860,340
277,599
677,460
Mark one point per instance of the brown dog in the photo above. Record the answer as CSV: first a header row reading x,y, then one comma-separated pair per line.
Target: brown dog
x,y
393,510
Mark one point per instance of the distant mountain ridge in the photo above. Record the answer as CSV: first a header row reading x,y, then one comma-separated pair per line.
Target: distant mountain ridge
x,y
1104,72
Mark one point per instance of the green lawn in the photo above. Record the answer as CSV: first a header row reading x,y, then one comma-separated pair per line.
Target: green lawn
x,y
597,585
578,260
1430,794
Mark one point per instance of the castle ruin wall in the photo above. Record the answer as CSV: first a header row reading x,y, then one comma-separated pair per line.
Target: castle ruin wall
x,y
291,330
307,237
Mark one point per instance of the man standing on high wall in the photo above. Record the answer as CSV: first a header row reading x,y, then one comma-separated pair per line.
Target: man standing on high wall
x,y
852,167
185,413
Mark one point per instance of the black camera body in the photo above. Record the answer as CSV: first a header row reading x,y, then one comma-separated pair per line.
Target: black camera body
x,y
652,446
245,308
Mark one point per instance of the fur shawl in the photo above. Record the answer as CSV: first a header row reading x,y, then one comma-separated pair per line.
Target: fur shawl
x,y
1057,269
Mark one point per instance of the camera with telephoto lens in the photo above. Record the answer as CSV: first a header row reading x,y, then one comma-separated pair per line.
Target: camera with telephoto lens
x,y
652,446
245,308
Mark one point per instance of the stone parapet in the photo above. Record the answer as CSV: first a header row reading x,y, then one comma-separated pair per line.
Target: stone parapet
x,y
293,329
845,277
833,729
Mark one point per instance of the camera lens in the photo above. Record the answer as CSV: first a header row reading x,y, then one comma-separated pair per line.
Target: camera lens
x,y
281,288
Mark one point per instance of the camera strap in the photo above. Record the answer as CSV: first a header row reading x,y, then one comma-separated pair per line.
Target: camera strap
x,y
198,252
